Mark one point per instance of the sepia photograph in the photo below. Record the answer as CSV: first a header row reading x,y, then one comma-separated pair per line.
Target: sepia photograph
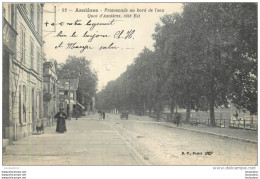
x,y
170,84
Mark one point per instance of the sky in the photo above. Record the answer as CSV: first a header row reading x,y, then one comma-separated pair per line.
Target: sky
x,y
115,45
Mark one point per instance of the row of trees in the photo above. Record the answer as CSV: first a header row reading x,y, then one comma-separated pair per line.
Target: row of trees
x,y
204,58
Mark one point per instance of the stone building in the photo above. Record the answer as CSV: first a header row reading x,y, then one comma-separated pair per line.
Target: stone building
x,y
8,54
51,100
24,69
68,94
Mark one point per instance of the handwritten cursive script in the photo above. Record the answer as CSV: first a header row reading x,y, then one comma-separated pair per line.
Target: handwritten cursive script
x,y
75,46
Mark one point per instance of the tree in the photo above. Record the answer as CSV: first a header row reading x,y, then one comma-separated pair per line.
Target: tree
x,y
244,57
80,68
204,58
210,55
138,89
225,51
174,43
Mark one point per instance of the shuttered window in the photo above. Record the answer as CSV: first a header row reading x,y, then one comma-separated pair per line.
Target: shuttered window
x,y
22,43
32,54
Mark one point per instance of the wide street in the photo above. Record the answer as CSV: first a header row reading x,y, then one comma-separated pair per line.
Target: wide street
x,y
137,141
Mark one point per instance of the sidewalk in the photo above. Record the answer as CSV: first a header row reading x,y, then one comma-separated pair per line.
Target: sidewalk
x,y
87,142
236,134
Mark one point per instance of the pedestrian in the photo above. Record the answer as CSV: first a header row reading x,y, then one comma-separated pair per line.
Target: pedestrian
x,y
104,115
61,123
76,112
178,118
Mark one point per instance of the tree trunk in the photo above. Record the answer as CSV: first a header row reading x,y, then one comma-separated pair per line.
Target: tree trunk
x,y
211,104
212,114
157,112
158,115
188,111
172,111
188,106
150,112
144,110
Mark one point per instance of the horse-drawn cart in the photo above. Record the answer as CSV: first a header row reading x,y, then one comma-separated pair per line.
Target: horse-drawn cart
x,y
124,115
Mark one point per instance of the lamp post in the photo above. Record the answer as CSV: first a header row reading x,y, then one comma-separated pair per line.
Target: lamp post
x,y
68,83
69,102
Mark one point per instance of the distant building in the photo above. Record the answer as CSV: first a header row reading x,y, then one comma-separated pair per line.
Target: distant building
x,y
22,64
68,94
51,101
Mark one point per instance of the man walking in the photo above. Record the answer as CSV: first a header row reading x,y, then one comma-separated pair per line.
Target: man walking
x,y
104,115
178,118
76,112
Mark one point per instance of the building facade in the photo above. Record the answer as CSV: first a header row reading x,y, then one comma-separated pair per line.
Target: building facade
x,y
25,72
68,94
8,54
51,100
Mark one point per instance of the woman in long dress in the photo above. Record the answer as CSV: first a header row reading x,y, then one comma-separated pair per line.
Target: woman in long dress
x,y
61,123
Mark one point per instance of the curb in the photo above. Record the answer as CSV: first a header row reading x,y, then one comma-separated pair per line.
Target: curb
x,y
204,132
211,133
141,158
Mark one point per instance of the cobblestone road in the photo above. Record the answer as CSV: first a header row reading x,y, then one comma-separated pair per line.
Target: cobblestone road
x,y
163,145
92,141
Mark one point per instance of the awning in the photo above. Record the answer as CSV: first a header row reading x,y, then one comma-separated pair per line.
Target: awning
x,y
81,105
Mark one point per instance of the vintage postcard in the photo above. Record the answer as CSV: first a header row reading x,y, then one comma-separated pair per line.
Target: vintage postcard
x,y
130,84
